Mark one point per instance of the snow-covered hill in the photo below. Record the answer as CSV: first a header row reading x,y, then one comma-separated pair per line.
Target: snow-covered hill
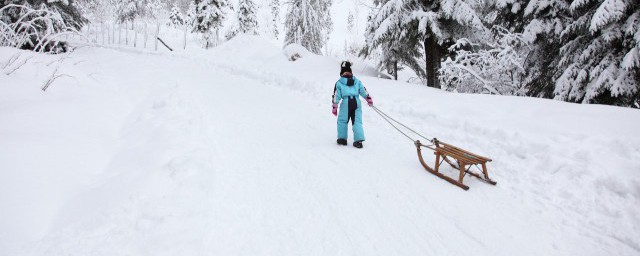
x,y
232,152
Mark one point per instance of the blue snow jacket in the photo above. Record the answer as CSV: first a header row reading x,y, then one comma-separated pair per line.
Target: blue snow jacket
x,y
345,93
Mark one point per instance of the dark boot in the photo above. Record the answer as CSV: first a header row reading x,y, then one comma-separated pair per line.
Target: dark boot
x,y
342,142
357,144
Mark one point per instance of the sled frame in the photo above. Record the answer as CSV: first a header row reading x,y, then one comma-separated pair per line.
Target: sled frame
x,y
463,158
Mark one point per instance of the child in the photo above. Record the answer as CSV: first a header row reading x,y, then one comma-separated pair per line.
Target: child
x,y
347,89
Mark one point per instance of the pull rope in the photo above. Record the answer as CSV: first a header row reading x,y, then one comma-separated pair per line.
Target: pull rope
x,y
389,119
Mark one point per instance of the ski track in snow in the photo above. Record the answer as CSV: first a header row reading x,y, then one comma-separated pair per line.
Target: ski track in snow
x,y
218,156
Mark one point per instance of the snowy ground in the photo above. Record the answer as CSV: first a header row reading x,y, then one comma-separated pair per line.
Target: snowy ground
x,y
232,152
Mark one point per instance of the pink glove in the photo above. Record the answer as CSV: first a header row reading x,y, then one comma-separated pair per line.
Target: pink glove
x,y
334,109
370,101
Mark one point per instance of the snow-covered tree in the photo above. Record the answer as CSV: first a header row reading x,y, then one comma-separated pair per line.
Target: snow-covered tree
x,y
496,66
38,25
541,23
275,17
67,9
96,10
175,16
207,18
308,23
247,20
394,48
351,48
156,9
600,57
350,22
130,10
430,26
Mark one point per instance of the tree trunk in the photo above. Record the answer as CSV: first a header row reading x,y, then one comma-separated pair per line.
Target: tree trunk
x,y
155,37
395,70
146,34
126,35
135,37
432,58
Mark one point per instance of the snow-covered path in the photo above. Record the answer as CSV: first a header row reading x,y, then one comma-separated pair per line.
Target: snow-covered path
x,y
201,155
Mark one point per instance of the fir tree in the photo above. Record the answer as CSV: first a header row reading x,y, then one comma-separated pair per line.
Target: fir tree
x,y
208,16
350,22
175,16
68,10
599,57
308,23
275,17
433,25
544,20
247,20
395,47
130,10
155,9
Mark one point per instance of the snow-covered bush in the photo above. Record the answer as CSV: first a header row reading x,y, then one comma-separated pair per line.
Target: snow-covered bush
x,y
38,29
495,67
295,52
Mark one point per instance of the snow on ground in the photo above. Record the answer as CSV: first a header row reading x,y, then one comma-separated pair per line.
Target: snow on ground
x,y
232,152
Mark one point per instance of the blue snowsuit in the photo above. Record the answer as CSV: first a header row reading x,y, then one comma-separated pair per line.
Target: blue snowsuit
x,y
346,93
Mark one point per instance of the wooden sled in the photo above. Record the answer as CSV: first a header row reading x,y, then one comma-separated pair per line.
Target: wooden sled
x,y
462,159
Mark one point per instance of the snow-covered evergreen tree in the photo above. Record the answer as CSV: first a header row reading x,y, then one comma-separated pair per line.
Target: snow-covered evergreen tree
x,y
130,10
156,9
600,58
541,23
408,26
96,10
275,17
495,66
247,20
308,23
396,47
207,18
68,11
175,16
37,25
350,22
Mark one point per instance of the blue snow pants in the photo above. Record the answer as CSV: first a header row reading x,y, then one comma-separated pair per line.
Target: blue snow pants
x,y
350,109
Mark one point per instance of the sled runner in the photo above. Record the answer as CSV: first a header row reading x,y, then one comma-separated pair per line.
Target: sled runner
x,y
464,160
460,159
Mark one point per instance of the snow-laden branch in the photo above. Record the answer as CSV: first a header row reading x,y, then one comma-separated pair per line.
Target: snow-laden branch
x,y
496,67
33,28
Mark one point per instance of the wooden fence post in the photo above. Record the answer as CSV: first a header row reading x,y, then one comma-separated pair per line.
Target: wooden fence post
x,y
184,38
155,38
146,35
102,32
126,35
135,37
119,33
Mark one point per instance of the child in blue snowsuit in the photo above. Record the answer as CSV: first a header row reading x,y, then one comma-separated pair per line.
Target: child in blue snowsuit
x,y
347,90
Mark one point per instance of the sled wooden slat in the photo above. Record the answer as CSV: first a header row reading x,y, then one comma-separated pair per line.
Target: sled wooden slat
x,y
463,159
454,147
460,156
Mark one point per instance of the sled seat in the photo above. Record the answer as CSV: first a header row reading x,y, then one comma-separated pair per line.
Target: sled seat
x,y
460,159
